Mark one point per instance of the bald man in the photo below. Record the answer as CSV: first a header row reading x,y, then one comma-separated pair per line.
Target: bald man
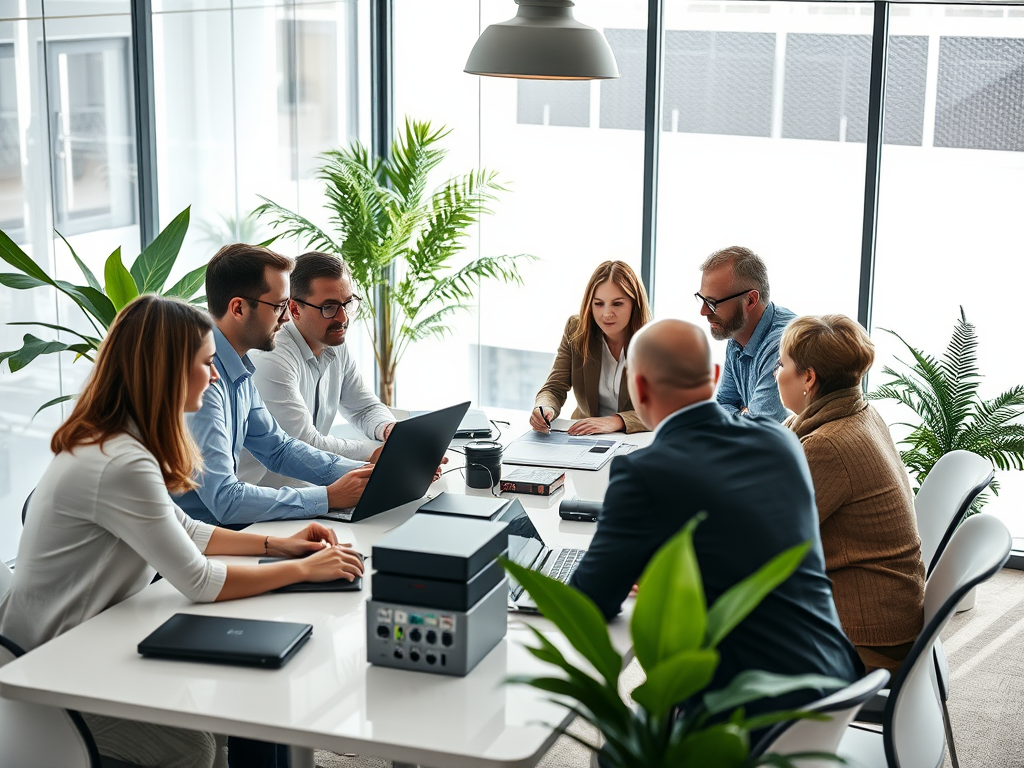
x,y
750,476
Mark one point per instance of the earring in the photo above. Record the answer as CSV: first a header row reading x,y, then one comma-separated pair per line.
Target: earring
x,y
805,393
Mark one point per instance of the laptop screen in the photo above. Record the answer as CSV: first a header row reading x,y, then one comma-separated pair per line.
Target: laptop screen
x,y
525,546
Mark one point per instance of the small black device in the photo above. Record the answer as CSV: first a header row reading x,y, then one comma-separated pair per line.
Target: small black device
x,y
460,505
222,640
406,466
579,510
440,547
437,593
483,464
338,585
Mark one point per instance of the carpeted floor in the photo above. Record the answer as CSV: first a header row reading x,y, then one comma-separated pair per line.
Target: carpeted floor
x,y
985,648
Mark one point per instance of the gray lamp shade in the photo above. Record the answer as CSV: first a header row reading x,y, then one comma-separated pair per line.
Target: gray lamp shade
x,y
543,42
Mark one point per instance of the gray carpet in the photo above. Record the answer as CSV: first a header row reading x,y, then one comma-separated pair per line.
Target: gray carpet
x,y
986,657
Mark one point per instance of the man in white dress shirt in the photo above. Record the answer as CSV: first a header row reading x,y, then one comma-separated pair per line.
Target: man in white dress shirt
x,y
310,375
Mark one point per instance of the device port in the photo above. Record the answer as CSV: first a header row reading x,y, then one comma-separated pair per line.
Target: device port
x,y
414,655
415,635
399,634
447,639
399,653
431,658
444,660
431,636
383,631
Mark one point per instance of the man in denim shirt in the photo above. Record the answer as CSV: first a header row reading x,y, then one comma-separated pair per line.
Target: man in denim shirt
x,y
247,292
734,298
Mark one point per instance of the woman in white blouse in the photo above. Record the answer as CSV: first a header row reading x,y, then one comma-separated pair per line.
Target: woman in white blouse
x,y
101,522
591,359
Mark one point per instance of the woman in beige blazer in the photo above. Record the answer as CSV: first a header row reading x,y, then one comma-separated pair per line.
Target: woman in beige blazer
x,y
865,505
591,357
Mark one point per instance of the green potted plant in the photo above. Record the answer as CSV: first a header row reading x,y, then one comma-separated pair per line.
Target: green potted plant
x,y
675,636
99,302
399,238
943,394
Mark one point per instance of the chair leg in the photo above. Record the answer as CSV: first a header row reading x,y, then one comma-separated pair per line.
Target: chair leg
x,y
949,736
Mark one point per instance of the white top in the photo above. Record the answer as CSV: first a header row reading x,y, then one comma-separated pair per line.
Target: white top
x,y
287,380
100,525
610,382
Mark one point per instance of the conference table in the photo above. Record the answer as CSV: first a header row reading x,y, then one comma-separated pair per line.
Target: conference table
x,y
328,696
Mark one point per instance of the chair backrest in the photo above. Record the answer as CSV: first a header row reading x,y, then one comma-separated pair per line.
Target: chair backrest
x,y
944,498
842,706
6,576
913,732
36,736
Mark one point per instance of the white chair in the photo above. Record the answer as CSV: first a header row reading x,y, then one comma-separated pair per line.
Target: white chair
x,y
801,736
913,729
6,575
944,498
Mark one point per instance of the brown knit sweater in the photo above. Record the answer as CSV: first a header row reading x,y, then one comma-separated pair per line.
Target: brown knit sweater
x,y
868,528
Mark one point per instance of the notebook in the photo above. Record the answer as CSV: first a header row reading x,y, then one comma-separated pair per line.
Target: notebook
x,y
222,640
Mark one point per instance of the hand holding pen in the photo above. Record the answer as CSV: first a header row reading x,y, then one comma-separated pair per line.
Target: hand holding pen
x,y
541,417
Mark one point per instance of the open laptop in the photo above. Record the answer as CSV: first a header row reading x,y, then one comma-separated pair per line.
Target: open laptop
x,y
527,548
406,466
474,425
222,640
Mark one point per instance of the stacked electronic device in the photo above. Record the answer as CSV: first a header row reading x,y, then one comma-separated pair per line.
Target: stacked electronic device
x,y
439,597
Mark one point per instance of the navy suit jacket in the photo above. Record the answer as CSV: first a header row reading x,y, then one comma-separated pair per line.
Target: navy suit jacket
x,y
750,476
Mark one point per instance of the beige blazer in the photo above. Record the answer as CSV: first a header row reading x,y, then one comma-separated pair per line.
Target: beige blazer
x,y
569,371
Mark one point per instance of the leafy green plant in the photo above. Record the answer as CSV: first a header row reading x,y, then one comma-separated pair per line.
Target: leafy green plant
x,y
943,393
99,302
675,639
399,238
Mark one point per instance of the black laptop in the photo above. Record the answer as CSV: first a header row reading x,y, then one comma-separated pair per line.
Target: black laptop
x,y
406,466
221,640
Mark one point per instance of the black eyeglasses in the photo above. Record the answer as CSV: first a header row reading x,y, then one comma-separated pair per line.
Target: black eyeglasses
x,y
712,304
351,307
281,308
777,368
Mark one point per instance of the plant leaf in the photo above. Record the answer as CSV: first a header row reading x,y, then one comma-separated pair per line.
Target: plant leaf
x,y
152,267
55,401
92,340
754,684
725,745
188,285
20,282
120,286
670,612
575,615
32,347
17,258
676,679
736,603
90,278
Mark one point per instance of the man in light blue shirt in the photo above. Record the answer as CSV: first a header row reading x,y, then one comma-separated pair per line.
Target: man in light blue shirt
x,y
247,292
734,298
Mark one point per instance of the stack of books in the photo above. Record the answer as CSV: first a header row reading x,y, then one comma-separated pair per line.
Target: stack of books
x,y
539,482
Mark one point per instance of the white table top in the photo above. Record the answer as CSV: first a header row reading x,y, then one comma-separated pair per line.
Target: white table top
x,y
327,696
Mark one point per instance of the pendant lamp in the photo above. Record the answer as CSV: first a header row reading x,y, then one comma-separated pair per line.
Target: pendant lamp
x,y
543,42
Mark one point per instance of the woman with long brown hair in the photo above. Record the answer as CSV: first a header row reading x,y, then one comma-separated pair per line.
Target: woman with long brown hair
x,y
591,359
101,522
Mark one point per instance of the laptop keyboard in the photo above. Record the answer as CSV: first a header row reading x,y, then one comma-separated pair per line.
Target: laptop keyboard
x,y
565,564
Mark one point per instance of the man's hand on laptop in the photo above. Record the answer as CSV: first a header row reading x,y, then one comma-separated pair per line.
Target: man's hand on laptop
x,y
338,561
310,539
437,473
346,490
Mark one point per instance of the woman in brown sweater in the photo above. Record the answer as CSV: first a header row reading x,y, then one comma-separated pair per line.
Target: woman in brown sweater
x,y
865,505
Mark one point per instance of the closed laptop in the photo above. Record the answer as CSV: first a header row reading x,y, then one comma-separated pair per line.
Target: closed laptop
x,y
222,640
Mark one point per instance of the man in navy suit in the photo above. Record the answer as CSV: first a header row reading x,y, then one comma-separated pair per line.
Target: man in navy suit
x,y
750,476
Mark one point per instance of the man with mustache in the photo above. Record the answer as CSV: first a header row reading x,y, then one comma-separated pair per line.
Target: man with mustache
x,y
310,375
734,297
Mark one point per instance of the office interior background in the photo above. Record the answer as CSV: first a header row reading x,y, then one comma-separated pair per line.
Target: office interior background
x,y
763,142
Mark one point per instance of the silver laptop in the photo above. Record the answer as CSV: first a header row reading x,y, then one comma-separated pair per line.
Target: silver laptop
x,y
222,640
527,548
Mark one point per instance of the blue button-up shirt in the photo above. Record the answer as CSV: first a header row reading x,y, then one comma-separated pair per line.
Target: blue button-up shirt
x,y
748,380
233,416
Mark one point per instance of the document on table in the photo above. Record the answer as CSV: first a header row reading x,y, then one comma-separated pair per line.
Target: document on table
x,y
558,449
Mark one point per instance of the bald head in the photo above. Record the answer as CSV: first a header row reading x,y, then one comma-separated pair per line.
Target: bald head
x,y
670,367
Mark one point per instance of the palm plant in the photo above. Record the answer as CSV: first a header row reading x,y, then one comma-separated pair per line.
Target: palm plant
x,y
675,636
399,239
99,302
943,393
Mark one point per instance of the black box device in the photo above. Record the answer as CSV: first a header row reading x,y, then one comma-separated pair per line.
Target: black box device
x,y
440,547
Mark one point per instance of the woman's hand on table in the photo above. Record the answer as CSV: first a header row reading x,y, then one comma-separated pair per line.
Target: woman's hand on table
x,y
313,538
598,425
335,561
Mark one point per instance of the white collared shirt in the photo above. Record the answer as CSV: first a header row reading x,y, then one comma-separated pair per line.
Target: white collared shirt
x,y
295,384
610,382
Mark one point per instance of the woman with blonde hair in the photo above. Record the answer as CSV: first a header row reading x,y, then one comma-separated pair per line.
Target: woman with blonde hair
x,y
591,359
101,522
865,504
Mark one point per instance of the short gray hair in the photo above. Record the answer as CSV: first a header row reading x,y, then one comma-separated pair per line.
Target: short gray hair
x,y
746,265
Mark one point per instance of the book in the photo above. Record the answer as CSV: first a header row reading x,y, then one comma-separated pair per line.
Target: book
x,y
539,482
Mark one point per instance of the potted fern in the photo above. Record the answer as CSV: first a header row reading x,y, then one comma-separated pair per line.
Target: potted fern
x,y
943,394
399,239
675,636
99,301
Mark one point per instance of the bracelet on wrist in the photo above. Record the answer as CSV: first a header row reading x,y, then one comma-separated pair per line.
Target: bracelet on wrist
x,y
266,546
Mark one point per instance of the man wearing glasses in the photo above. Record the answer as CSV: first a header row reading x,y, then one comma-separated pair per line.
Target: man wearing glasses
x,y
309,376
733,297
247,293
